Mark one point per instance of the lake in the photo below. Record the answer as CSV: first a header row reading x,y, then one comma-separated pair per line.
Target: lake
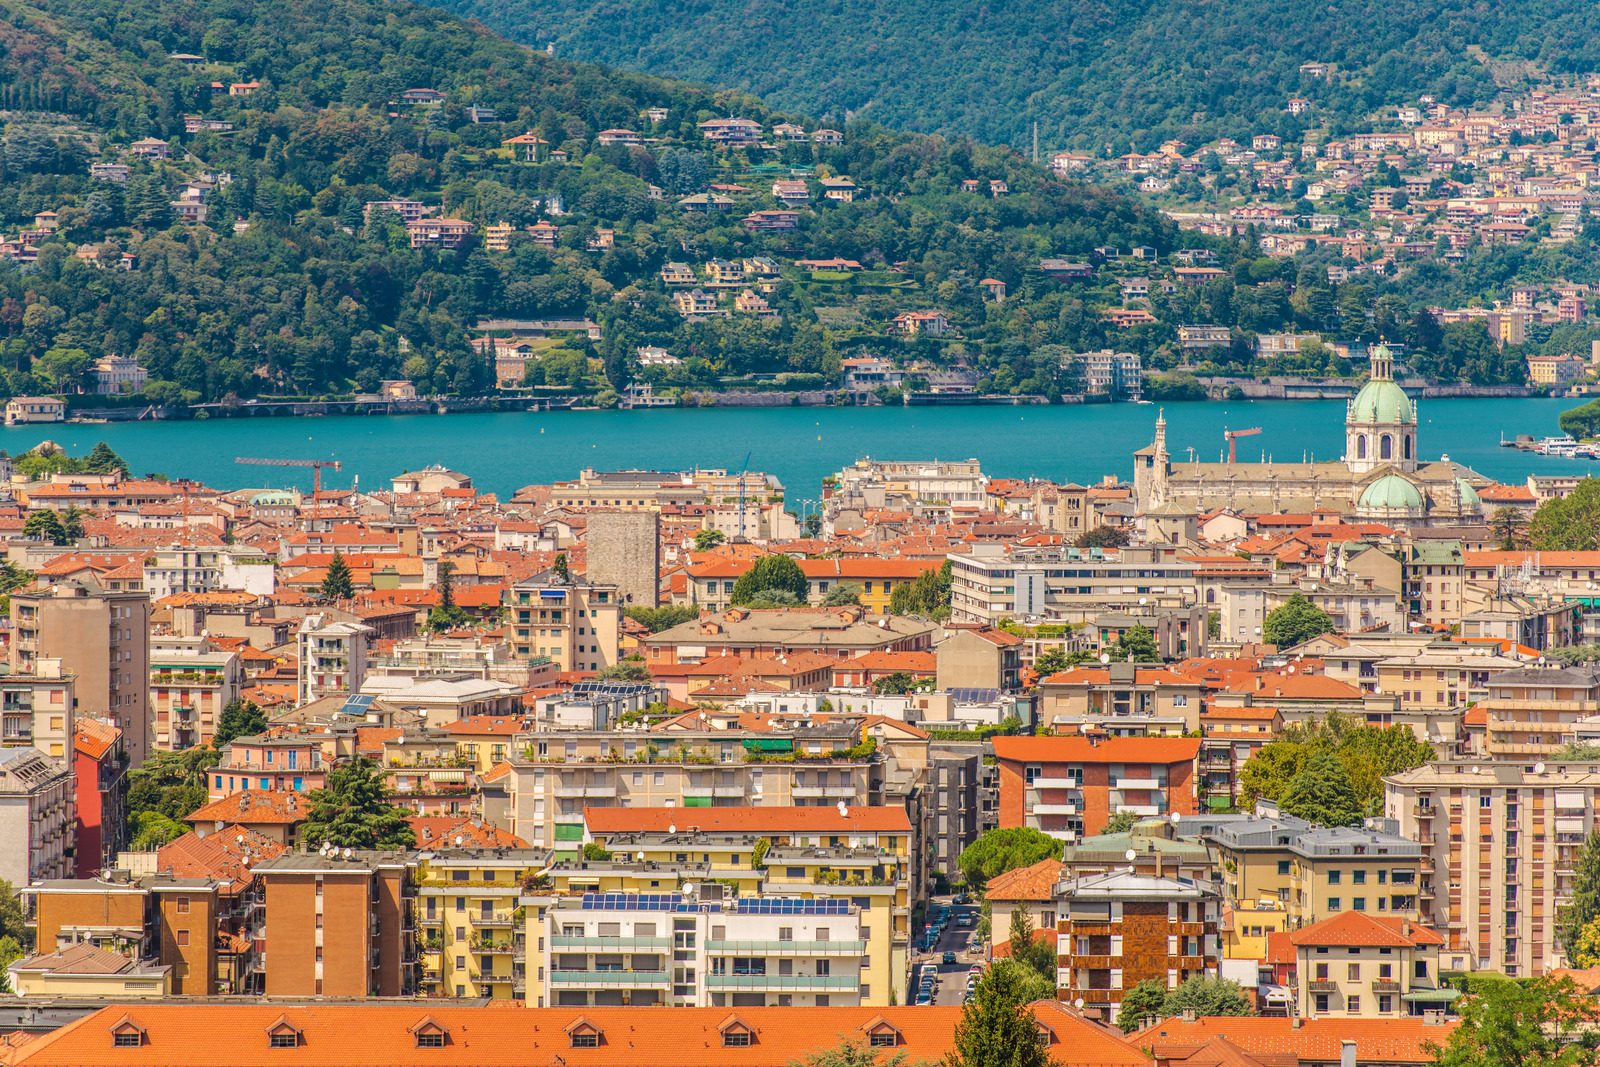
x,y
503,452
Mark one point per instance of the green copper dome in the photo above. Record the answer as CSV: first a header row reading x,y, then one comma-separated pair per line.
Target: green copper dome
x,y
1469,495
1382,401
1390,493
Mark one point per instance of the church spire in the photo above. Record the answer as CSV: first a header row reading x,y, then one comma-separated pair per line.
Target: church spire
x,y
1382,363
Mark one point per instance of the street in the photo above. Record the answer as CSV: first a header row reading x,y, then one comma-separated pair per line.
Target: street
x,y
952,985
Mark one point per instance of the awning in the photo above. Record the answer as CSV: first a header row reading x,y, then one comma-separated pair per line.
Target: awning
x,y
769,744
1431,996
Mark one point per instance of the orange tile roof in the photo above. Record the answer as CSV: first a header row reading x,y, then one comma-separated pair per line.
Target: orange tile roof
x,y
226,855
1102,676
820,820
485,726
1358,929
380,1035
1378,1041
1034,882
94,738
1110,750
253,808
473,833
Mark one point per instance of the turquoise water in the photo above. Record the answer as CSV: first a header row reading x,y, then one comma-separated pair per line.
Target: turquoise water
x,y
800,445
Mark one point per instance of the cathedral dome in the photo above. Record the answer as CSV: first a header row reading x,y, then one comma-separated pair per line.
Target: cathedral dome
x,y
1469,496
1382,402
1390,493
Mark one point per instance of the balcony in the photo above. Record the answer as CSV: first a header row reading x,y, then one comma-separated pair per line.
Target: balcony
x,y
1054,809
1139,809
697,790
592,789
1043,782
1385,985
1137,783
1323,985
820,983
610,979
843,792
497,920
609,944
787,948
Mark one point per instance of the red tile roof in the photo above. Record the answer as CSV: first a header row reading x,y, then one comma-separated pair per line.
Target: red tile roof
x,y
380,1035
94,738
1355,929
253,808
1378,1041
1034,882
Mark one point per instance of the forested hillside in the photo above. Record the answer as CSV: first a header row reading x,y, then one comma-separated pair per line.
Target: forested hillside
x,y
1094,74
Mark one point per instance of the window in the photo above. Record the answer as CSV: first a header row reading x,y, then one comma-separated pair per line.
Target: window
x,y
1334,877
183,939
1359,903
1352,1004
430,1041
284,1039
1359,877
1354,972
183,905
1334,904
736,1039
586,1040
1322,1003
883,1039
1283,866
127,1038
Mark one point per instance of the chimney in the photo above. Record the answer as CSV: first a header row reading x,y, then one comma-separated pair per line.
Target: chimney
x,y
1405,927
1190,1015
1294,1022
1347,1054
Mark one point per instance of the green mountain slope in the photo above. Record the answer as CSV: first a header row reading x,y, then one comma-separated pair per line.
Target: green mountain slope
x,y
1091,73
288,286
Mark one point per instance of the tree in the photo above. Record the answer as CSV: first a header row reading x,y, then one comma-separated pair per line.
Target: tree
x,y
663,618
898,683
337,584
631,669
1137,644
1121,822
1367,753
1294,622
1005,849
1583,904
1321,793
448,615
1570,523
1102,537
240,718
1507,525
1582,421
149,830
1207,996
102,460
561,570
353,811
1585,951
172,784
996,1028
767,575
1028,950
927,594
1143,1002
851,1052
842,595
44,525
1540,1023
706,540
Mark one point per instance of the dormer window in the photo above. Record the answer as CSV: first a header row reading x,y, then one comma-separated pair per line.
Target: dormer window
x,y
883,1039
583,1034
283,1034
127,1034
429,1034
736,1039
586,1040
430,1041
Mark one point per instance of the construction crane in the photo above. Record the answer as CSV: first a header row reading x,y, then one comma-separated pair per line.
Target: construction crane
x,y
1232,437
316,466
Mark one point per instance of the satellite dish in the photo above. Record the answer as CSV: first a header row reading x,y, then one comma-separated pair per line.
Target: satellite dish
x,y
1105,657
1538,768
1176,818
639,856
458,841
1078,1003
1130,855
672,828
688,887
844,809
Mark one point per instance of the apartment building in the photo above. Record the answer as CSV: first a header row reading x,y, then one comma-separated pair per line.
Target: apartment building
x,y
279,760
1121,700
36,817
926,488
37,709
741,503
1230,735
333,656
559,776
339,925
190,685
840,633
1069,787
703,949
576,625
100,637
100,801
471,941
1061,584
1281,873
1499,844
1359,966
1116,930
165,922
1442,678
873,872
1532,711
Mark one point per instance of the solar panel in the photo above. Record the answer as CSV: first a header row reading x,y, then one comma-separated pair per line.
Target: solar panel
x,y
356,704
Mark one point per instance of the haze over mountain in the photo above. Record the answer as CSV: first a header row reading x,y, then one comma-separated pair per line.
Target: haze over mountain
x,y
1094,74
